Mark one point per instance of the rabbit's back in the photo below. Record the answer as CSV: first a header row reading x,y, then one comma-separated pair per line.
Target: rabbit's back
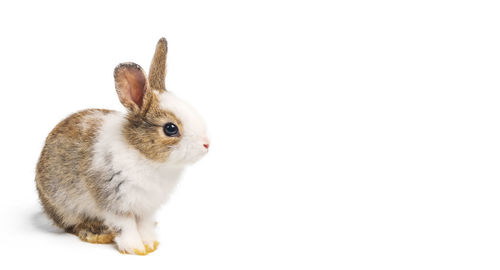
x,y
62,174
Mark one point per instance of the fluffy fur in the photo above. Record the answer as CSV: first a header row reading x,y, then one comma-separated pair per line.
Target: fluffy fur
x,y
103,174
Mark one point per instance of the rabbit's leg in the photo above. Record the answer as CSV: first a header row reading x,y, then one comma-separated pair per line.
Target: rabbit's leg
x,y
93,231
127,238
146,227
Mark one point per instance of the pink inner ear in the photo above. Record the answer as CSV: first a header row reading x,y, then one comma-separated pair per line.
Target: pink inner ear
x,y
137,85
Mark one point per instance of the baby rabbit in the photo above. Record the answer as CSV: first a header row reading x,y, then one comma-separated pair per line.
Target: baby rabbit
x,y
103,174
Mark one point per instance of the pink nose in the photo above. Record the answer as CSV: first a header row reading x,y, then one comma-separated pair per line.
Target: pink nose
x,y
205,145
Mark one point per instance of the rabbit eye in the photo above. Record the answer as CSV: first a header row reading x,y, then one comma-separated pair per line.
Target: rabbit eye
x,y
171,129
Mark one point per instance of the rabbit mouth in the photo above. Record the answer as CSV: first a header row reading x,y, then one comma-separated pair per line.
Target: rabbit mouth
x,y
186,154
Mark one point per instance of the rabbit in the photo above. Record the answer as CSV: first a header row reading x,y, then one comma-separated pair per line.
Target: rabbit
x,y
103,174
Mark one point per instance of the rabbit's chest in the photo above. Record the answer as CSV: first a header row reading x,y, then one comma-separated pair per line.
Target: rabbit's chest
x,y
142,192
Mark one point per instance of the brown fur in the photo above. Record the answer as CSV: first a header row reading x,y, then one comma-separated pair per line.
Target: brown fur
x,y
145,132
93,231
65,159
158,70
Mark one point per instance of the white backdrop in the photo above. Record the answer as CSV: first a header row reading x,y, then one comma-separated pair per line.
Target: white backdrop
x,y
345,134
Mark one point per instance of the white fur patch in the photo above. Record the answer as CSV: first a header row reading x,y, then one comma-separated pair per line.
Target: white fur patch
x,y
190,148
87,121
146,183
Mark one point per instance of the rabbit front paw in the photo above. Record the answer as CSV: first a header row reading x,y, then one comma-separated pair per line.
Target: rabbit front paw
x,y
148,235
130,244
151,246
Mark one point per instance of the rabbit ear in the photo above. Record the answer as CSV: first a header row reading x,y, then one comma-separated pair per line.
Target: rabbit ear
x,y
131,86
158,68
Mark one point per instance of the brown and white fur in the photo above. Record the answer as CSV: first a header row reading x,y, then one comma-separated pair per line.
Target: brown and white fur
x,y
103,174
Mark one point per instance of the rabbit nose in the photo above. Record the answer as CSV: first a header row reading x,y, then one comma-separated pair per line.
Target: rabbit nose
x,y
206,145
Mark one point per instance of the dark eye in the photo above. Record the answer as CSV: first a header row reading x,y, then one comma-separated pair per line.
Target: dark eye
x,y
171,129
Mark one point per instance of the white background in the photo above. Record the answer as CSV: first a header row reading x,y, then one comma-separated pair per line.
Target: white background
x,y
345,134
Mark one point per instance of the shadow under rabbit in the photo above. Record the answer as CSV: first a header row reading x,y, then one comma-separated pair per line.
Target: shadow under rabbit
x,y
41,222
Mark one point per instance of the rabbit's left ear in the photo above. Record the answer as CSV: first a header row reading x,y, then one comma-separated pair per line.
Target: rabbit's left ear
x,y
131,86
158,68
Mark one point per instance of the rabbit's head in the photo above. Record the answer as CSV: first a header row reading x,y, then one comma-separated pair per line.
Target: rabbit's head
x,y
159,125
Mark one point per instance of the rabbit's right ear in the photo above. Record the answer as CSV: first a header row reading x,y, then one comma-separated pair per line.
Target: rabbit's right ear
x,y
131,86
